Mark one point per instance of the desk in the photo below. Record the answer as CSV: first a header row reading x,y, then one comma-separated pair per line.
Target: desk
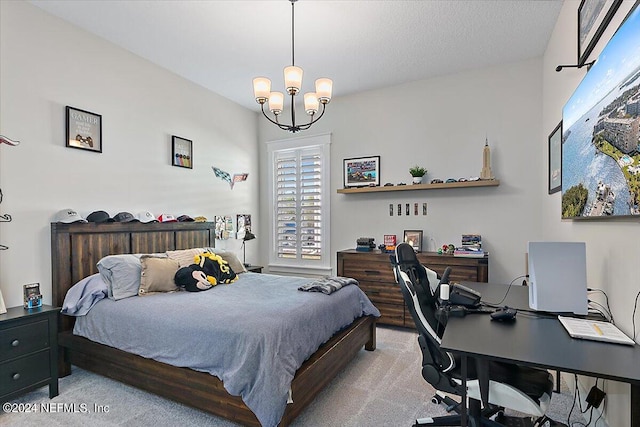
x,y
540,342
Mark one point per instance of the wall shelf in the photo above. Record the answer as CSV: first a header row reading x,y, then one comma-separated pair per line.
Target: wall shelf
x,y
413,187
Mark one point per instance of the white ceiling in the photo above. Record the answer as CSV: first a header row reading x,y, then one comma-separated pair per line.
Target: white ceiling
x,y
360,44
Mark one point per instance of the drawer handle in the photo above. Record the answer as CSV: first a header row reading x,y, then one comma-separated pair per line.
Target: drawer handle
x,y
15,343
372,271
16,376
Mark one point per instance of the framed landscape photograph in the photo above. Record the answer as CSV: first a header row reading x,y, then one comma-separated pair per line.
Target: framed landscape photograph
x,y
555,159
362,172
84,130
413,238
181,152
593,18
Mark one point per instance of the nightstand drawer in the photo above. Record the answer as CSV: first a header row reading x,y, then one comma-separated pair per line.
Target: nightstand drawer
x,y
21,373
23,339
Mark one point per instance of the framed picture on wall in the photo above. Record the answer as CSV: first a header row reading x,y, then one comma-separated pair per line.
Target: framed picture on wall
x,y
555,159
362,172
593,18
413,238
181,152
84,130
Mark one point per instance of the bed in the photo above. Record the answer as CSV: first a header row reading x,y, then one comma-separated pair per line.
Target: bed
x,y
76,248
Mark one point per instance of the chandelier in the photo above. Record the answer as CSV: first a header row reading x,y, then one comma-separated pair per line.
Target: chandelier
x,y
293,83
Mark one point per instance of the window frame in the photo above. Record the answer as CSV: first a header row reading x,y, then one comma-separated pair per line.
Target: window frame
x,y
322,142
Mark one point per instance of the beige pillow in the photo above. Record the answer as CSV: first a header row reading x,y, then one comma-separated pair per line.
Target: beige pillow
x,y
185,256
232,259
157,275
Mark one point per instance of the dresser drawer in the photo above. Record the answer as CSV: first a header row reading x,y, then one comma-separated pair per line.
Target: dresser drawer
x,y
391,314
23,339
23,372
382,292
375,270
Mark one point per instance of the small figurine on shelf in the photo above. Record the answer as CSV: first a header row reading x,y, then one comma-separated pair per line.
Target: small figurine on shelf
x,y
486,162
446,249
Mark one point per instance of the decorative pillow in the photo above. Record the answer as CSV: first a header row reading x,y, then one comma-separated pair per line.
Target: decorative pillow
x,y
121,273
157,275
185,257
233,261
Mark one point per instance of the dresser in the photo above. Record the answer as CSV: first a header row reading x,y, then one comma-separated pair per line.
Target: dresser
x,y
374,273
28,351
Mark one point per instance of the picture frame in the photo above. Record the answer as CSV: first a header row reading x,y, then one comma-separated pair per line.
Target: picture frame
x,y
181,152
555,159
83,129
361,172
593,18
413,238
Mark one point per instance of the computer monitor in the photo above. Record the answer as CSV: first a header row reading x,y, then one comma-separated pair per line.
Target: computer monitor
x,y
558,277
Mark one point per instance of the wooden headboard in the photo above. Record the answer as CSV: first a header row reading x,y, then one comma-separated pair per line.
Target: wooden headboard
x,y
76,248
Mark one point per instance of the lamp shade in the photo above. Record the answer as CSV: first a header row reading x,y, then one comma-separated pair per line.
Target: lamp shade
x,y
261,89
324,87
276,102
311,103
248,236
293,79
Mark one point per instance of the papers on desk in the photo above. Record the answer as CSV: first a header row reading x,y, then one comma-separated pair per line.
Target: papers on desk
x,y
594,330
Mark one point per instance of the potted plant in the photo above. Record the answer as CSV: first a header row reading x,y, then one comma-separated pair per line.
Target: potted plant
x,y
417,172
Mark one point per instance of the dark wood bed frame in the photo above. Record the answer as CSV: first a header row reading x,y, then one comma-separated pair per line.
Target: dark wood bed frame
x,y
75,250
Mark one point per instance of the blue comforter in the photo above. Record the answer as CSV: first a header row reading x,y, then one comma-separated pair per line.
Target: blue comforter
x,y
252,334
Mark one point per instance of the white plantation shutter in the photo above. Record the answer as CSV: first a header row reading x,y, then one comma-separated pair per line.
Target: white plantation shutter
x,y
300,204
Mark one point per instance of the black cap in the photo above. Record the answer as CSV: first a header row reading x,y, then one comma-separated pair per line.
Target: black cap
x,y
99,217
185,218
124,217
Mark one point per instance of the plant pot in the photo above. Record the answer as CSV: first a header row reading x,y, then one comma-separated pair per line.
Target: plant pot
x,y
417,180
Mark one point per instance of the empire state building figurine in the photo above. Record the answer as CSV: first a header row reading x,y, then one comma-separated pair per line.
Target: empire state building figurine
x,y
486,162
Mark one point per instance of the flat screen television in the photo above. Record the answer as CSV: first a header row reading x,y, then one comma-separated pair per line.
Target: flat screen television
x,y
558,277
601,131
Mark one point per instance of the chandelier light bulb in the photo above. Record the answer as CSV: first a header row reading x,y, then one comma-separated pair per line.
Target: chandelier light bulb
x,y
311,103
276,102
261,89
324,87
293,79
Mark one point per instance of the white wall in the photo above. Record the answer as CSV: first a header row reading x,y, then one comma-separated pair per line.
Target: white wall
x,y
47,64
612,246
441,123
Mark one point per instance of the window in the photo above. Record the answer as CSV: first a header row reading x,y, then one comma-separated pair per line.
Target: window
x,y
299,174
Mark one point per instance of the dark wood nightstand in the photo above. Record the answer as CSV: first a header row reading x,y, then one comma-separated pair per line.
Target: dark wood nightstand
x,y
254,268
28,351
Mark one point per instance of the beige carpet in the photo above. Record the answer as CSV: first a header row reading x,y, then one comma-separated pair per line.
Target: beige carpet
x,y
380,388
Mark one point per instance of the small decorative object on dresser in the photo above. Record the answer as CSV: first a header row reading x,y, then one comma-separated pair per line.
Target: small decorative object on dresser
x,y
181,152
32,296
84,130
29,357
414,239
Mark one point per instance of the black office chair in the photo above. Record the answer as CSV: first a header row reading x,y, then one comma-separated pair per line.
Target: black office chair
x,y
522,389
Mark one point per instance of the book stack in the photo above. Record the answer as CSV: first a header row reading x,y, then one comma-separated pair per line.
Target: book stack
x,y
471,247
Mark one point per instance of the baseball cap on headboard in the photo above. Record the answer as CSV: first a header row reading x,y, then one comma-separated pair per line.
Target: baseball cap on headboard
x,y
99,217
124,217
185,218
68,216
145,217
167,218
200,219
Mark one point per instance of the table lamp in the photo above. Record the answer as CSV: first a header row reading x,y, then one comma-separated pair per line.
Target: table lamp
x,y
248,235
